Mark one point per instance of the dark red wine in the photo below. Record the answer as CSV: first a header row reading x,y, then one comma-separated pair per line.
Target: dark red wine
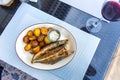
x,y
111,11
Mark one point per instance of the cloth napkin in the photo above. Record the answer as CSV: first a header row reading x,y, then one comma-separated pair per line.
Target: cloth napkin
x,y
113,72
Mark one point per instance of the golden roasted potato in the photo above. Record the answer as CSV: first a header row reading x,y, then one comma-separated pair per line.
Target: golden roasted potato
x,y
27,47
34,43
32,38
26,39
41,38
36,49
36,39
37,32
44,31
50,28
30,33
46,40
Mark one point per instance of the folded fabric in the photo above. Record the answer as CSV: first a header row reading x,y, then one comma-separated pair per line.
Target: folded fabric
x,y
114,68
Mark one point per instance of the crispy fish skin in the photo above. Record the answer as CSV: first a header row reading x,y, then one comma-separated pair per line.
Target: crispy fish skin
x,y
49,47
52,59
47,59
53,51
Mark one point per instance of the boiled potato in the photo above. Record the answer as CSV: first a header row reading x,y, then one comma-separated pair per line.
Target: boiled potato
x,y
36,49
41,38
34,43
44,31
26,39
37,32
42,44
30,33
46,40
32,38
27,47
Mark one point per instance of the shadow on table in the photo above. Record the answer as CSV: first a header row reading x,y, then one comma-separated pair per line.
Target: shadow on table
x,y
84,29
90,72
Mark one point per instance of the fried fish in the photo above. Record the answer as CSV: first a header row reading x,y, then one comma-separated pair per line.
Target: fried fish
x,y
52,59
47,48
53,51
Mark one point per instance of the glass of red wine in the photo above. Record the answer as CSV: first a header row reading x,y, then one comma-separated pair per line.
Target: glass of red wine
x,y
110,12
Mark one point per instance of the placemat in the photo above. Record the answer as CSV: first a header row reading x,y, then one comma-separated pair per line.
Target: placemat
x,y
84,53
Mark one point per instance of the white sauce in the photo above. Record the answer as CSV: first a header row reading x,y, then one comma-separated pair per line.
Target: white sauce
x,y
54,35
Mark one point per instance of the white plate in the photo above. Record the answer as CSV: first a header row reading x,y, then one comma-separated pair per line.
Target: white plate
x,y
26,56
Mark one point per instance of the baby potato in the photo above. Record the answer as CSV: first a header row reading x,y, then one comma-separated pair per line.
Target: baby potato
x,y
34,43
44,31
50,28
26,39
46,40
32,38
27,47
42,44
37,32
30,33
36,49
41,38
